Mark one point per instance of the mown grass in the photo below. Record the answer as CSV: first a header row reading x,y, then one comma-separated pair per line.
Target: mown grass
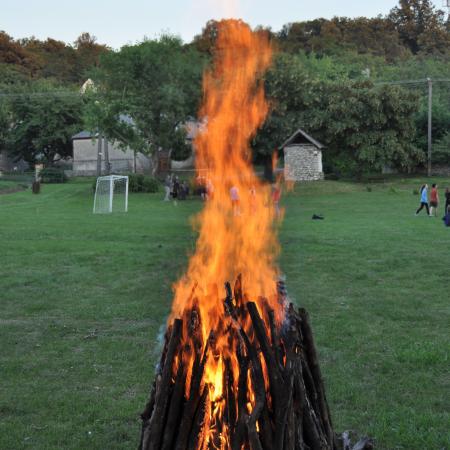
x,y
83,298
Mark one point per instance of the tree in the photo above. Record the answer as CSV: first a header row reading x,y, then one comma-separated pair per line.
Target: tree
x,y
4,126
421,27
157,83
376,36
43,121
55,59
363,127
88,53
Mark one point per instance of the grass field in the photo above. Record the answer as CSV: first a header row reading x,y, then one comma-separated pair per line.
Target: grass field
x,y
83,298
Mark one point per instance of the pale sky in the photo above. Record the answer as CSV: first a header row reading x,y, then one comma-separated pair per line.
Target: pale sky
x,y
116,23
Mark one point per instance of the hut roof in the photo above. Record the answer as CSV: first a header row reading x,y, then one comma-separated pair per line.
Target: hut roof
x,y
300,137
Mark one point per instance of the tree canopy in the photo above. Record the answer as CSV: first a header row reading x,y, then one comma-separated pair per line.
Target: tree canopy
x,y
157,83
326,78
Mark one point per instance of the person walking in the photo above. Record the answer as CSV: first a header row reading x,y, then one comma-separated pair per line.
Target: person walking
x,y
167,187
434,199
423,199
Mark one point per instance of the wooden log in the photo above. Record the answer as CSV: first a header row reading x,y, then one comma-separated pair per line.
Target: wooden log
x,y
230,413
192,403
313,363
239,436
259,391
175,407
153,434
276,344
147,413
280,386
197,435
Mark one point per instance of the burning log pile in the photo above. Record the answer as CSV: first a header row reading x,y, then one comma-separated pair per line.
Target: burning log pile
x,y
276,401
239,370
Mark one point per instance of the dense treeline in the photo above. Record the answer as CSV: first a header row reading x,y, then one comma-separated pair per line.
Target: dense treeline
x,y
326,78
30,58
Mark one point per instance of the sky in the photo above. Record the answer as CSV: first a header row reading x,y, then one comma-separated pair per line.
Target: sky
x,y
116,23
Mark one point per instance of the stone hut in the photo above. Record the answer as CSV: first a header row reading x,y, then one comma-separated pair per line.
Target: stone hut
x,y
302,158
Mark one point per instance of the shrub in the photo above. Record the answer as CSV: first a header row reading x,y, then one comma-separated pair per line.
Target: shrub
x,y
53,175
332,176
368,189
142,183
150,184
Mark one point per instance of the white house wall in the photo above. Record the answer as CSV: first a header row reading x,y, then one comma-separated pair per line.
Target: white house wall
x,y
122,161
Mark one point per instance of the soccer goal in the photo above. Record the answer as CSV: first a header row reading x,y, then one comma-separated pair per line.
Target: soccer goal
x,y
111,194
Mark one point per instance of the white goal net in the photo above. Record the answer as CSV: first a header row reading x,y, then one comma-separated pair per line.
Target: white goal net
x,y
111,194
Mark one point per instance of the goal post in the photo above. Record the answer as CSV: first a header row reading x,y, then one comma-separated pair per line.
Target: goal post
x,y
111,194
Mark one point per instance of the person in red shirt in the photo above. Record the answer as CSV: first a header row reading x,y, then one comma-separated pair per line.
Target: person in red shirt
x,y
434,199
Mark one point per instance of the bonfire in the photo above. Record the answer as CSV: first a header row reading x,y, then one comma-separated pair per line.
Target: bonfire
x,y
239,368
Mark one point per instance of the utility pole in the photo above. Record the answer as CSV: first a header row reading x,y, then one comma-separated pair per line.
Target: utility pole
x,y
99,155
106,151
430,123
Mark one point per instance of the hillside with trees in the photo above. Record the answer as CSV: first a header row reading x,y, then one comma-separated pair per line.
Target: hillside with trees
x,y
340,79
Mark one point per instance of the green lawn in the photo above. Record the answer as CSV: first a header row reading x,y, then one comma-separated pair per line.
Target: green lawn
x,y
83,298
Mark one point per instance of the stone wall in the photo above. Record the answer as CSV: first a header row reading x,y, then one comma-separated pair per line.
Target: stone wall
x,y
302,162
122,161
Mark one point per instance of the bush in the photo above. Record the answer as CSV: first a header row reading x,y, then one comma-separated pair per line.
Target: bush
x,y
142,183
150,184
368,189
53,175
332,176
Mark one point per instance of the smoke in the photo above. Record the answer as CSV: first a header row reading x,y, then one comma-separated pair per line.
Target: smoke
x,y
225,8
215,9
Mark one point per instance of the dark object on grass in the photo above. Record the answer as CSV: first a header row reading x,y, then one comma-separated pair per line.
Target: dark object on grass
x,y
36,187
317,217
288,411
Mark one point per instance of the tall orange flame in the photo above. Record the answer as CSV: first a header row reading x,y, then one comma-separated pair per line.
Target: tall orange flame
x,y
236,226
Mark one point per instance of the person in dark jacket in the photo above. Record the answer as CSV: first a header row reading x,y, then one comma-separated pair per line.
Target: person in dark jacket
x,y
447,201
175,190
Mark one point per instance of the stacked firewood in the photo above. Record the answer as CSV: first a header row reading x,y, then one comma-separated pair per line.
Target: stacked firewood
x,y
288,411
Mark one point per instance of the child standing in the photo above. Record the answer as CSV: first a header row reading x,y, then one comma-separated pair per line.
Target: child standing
x,y
434,199
423,199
